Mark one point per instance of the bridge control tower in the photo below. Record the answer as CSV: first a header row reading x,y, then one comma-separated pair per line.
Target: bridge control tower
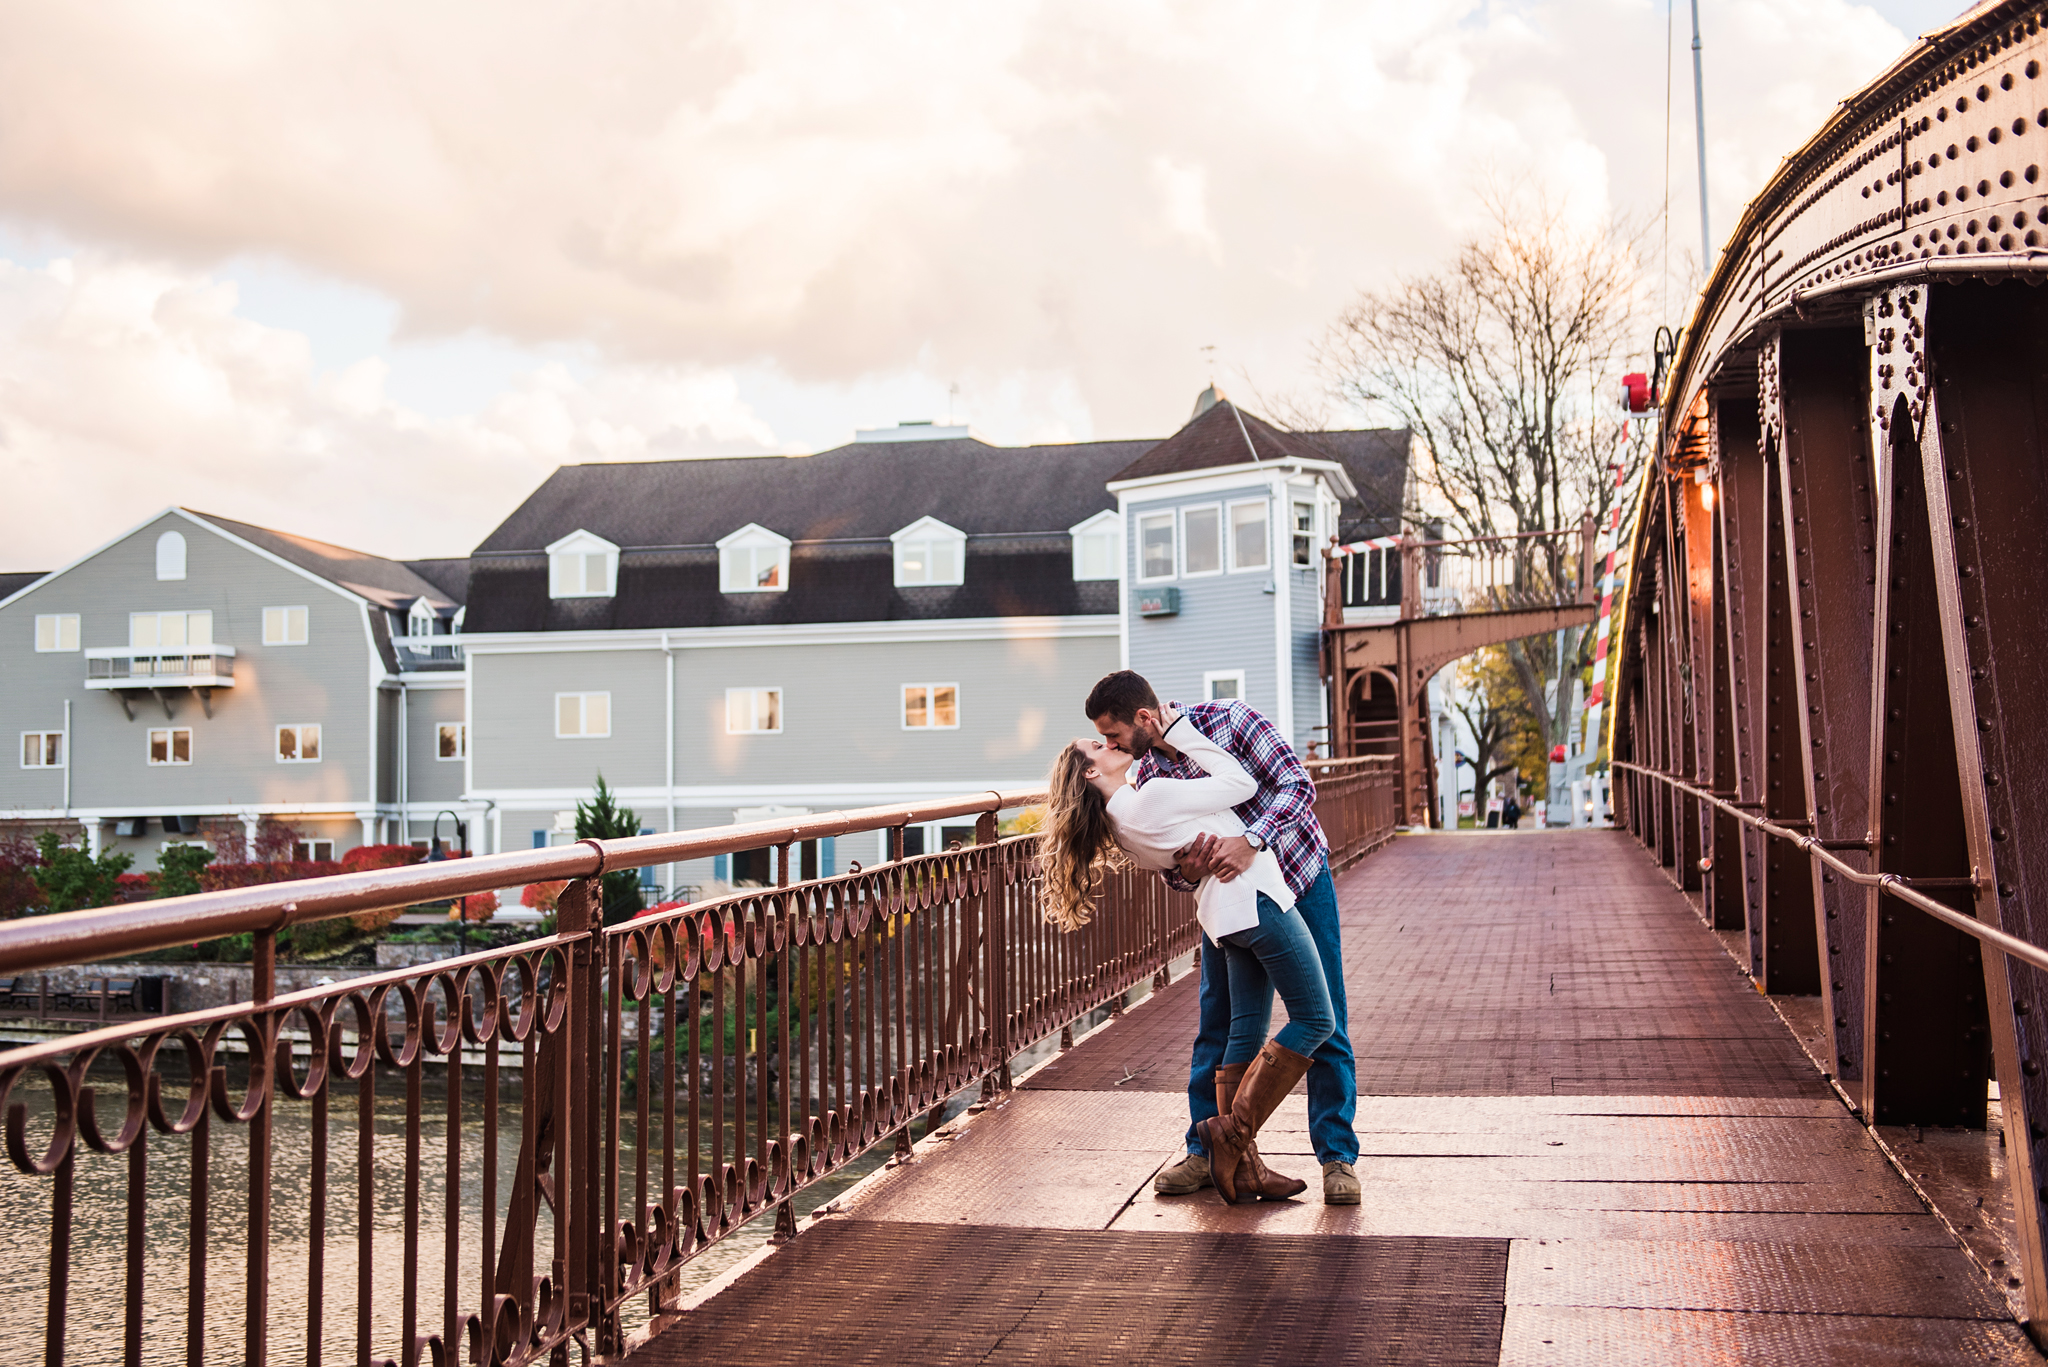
x,y
1224,529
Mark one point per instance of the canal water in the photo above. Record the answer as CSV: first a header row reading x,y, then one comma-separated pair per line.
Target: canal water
x,y
95,1322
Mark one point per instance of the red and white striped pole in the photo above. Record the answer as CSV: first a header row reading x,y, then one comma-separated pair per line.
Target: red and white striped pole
x,y
1594,704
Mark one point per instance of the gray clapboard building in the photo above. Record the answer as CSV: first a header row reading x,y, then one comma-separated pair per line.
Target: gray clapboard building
x,y
913,615
196,670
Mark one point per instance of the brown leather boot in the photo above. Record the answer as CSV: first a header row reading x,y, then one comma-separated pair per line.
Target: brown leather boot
x,y
1230,1137
1253,1177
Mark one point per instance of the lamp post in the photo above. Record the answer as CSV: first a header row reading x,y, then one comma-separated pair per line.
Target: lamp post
x,y
436,852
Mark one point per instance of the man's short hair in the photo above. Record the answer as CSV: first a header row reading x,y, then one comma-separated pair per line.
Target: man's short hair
x,y
1120,695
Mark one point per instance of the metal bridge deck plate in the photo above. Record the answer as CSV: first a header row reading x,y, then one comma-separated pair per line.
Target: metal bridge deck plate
x,y
1701,1197
873,1292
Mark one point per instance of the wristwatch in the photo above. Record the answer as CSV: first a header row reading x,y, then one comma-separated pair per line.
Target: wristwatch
x,y
1252,839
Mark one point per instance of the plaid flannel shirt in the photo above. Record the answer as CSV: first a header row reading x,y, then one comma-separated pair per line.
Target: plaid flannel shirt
x,y
1282,813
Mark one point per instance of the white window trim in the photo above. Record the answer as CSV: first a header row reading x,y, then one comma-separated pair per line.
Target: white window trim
x,y
746,538
775,730
462,739
929,529
1315,524
1106,521
582,715
903,721
165,541
1211,677
285,637
299,729
1230,535
167,762
62,749
60,618
187,614
313,844
581,542
1173,521
1222,539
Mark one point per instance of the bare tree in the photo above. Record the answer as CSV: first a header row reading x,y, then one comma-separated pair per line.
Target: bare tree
x,y
1505,363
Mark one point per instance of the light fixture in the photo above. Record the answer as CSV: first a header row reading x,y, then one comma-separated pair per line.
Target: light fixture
x,y
1707,497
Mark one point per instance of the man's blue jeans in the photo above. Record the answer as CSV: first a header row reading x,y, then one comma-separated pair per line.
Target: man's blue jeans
x,y
1333,1075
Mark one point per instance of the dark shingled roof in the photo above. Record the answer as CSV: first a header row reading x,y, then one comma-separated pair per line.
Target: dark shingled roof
x,y
1222,434
1375,458
839,508
387,583
450,575
865,490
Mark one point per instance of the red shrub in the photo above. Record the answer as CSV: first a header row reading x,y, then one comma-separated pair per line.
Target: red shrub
x,y
220,877
364,857
135,887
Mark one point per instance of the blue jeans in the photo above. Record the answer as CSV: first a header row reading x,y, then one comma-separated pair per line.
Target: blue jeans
x,y
1333,1076
1276,955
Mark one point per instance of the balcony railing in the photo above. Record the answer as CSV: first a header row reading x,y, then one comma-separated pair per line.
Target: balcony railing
x,y
1400,577
208,666
415,651
677,1075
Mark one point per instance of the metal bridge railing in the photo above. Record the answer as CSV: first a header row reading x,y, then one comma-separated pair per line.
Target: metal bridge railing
x,y
1468,575
1907,890
495,1155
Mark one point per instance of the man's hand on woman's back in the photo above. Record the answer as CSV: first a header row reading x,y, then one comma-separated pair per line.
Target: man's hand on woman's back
x,y
1223,856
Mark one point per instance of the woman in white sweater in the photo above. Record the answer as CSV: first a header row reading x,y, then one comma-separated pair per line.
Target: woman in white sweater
x,y
1094,812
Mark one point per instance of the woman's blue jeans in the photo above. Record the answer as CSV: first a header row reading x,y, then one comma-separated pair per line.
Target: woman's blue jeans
x,y
1276,955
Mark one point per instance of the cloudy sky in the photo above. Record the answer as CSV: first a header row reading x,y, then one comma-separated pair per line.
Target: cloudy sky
x,y
369,270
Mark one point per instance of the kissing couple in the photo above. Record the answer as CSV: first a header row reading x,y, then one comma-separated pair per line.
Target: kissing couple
x,y
1214,798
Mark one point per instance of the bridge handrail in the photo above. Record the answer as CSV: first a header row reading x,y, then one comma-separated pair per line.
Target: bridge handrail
x,y
1895,885
662,1102
34,942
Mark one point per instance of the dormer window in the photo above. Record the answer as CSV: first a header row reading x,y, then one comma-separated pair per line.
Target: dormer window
x,y
422,620
1098,547
930,552
753,560
581,565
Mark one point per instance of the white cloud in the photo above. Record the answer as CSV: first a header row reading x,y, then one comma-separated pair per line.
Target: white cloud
x,y
1055,203
125,387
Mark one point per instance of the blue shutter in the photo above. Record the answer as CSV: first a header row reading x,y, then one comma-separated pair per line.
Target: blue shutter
x,y
647,870
540,840
827,864
718,866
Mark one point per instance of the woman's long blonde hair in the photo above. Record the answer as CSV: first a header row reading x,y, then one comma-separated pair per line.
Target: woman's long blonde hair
x,y
1077,846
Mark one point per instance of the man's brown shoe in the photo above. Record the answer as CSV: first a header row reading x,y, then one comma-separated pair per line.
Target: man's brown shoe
x,y
1340,1185
1189,1175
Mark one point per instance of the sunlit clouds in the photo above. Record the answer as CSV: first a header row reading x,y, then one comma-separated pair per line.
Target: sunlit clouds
x,y
727,228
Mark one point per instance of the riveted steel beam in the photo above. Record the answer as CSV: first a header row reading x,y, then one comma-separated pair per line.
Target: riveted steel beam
x,y
1741,482
1830,522
1692,501
1925,1027
1986,483
1791,948
1724,901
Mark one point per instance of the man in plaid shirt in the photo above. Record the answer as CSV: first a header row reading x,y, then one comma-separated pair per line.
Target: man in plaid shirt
x,y
1280,817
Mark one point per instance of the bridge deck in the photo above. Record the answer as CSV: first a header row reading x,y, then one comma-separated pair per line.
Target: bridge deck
x,y
1585,1139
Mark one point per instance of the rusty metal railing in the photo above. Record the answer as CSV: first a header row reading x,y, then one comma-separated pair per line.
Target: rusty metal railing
x,y
1470,574
1890,884
520,1145
1358,803
1499,573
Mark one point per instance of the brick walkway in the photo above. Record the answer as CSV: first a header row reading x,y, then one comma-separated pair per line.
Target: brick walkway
x,y
1585,1138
